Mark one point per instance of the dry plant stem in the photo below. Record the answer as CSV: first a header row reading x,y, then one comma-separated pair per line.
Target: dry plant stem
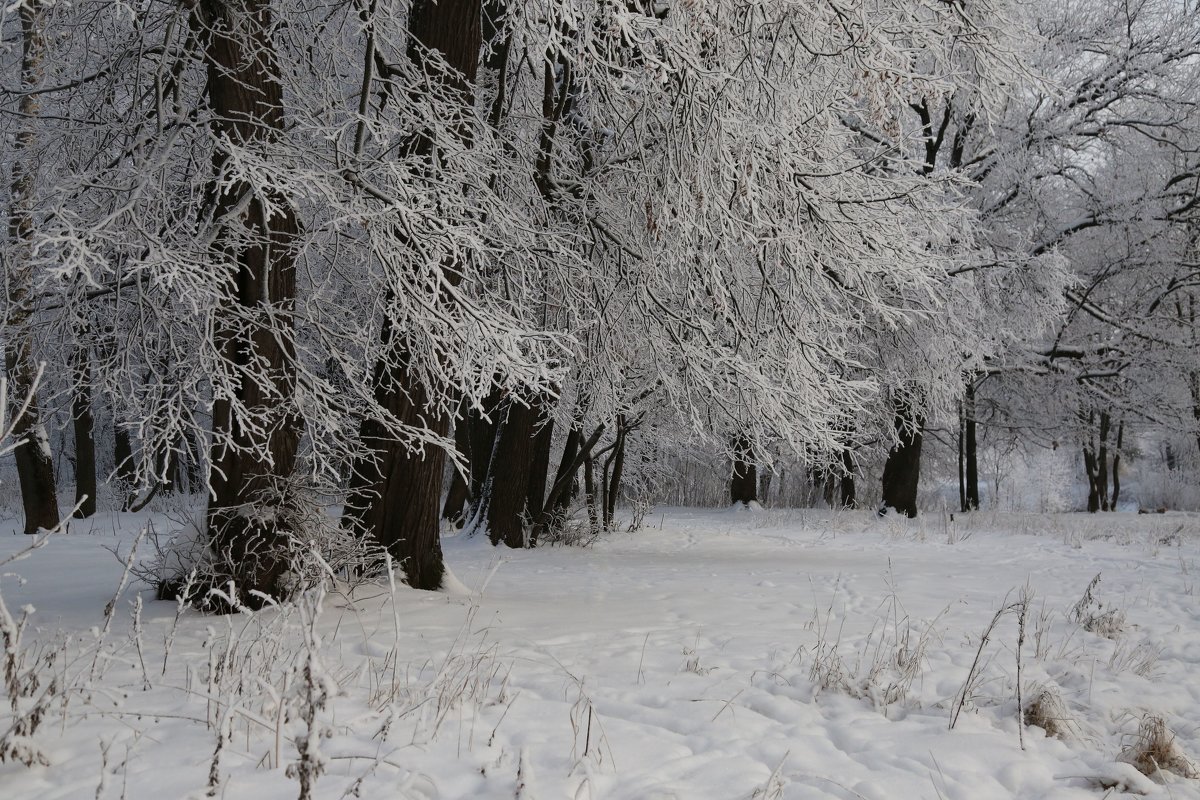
x,y
111,607
971,673
1022,611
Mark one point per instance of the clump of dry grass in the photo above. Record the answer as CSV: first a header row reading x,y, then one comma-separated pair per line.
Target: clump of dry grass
x,y
1048,711
1092,615
1154,751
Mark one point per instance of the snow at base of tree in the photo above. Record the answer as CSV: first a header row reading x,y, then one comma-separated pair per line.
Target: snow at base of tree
x,y
782,654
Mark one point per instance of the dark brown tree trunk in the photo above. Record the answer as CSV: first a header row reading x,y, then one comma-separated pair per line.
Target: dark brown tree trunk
x,y
399,492
971,451
902,471
743,483
507,489
568,465
35,467
848,498
250,464
1089,466
395,493
616,461
84,424
482,426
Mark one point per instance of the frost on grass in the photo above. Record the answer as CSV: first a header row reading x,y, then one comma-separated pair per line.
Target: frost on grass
x,y
1154,751
559,673
1095,616
1046,710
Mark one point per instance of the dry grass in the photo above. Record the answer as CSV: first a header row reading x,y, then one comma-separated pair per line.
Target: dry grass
x,y
1093,616
1048,711
1154,751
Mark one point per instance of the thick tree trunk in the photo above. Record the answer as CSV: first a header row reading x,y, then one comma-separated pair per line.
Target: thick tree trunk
x,y
482,426
399,491
743,483
35,467
85,445
395,493
250,464
902,471
508,484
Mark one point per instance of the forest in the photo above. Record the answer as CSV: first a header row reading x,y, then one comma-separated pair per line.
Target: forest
x,y
631,357
514,265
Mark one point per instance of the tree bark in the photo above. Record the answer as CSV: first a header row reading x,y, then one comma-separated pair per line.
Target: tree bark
x,y
971,451
399,491
743,484
902,471
848,498
508,485
482,426
35,467
1102,461
250,464
616,462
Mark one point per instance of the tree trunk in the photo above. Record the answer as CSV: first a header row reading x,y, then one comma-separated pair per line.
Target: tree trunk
x,y
902,471
508,485
616,460
848,498
743,484
1102,461
962,459
1089,466
1116,467
569,464
971,451
250,463
84,423
35,467
400,491
396,493
482,426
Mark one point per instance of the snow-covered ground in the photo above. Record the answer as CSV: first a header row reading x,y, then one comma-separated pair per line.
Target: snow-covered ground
x,y
766,654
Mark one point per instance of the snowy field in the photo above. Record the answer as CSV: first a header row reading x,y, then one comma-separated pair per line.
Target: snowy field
x,y
725,654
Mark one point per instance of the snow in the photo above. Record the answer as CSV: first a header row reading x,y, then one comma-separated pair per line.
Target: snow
x,y
758,654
